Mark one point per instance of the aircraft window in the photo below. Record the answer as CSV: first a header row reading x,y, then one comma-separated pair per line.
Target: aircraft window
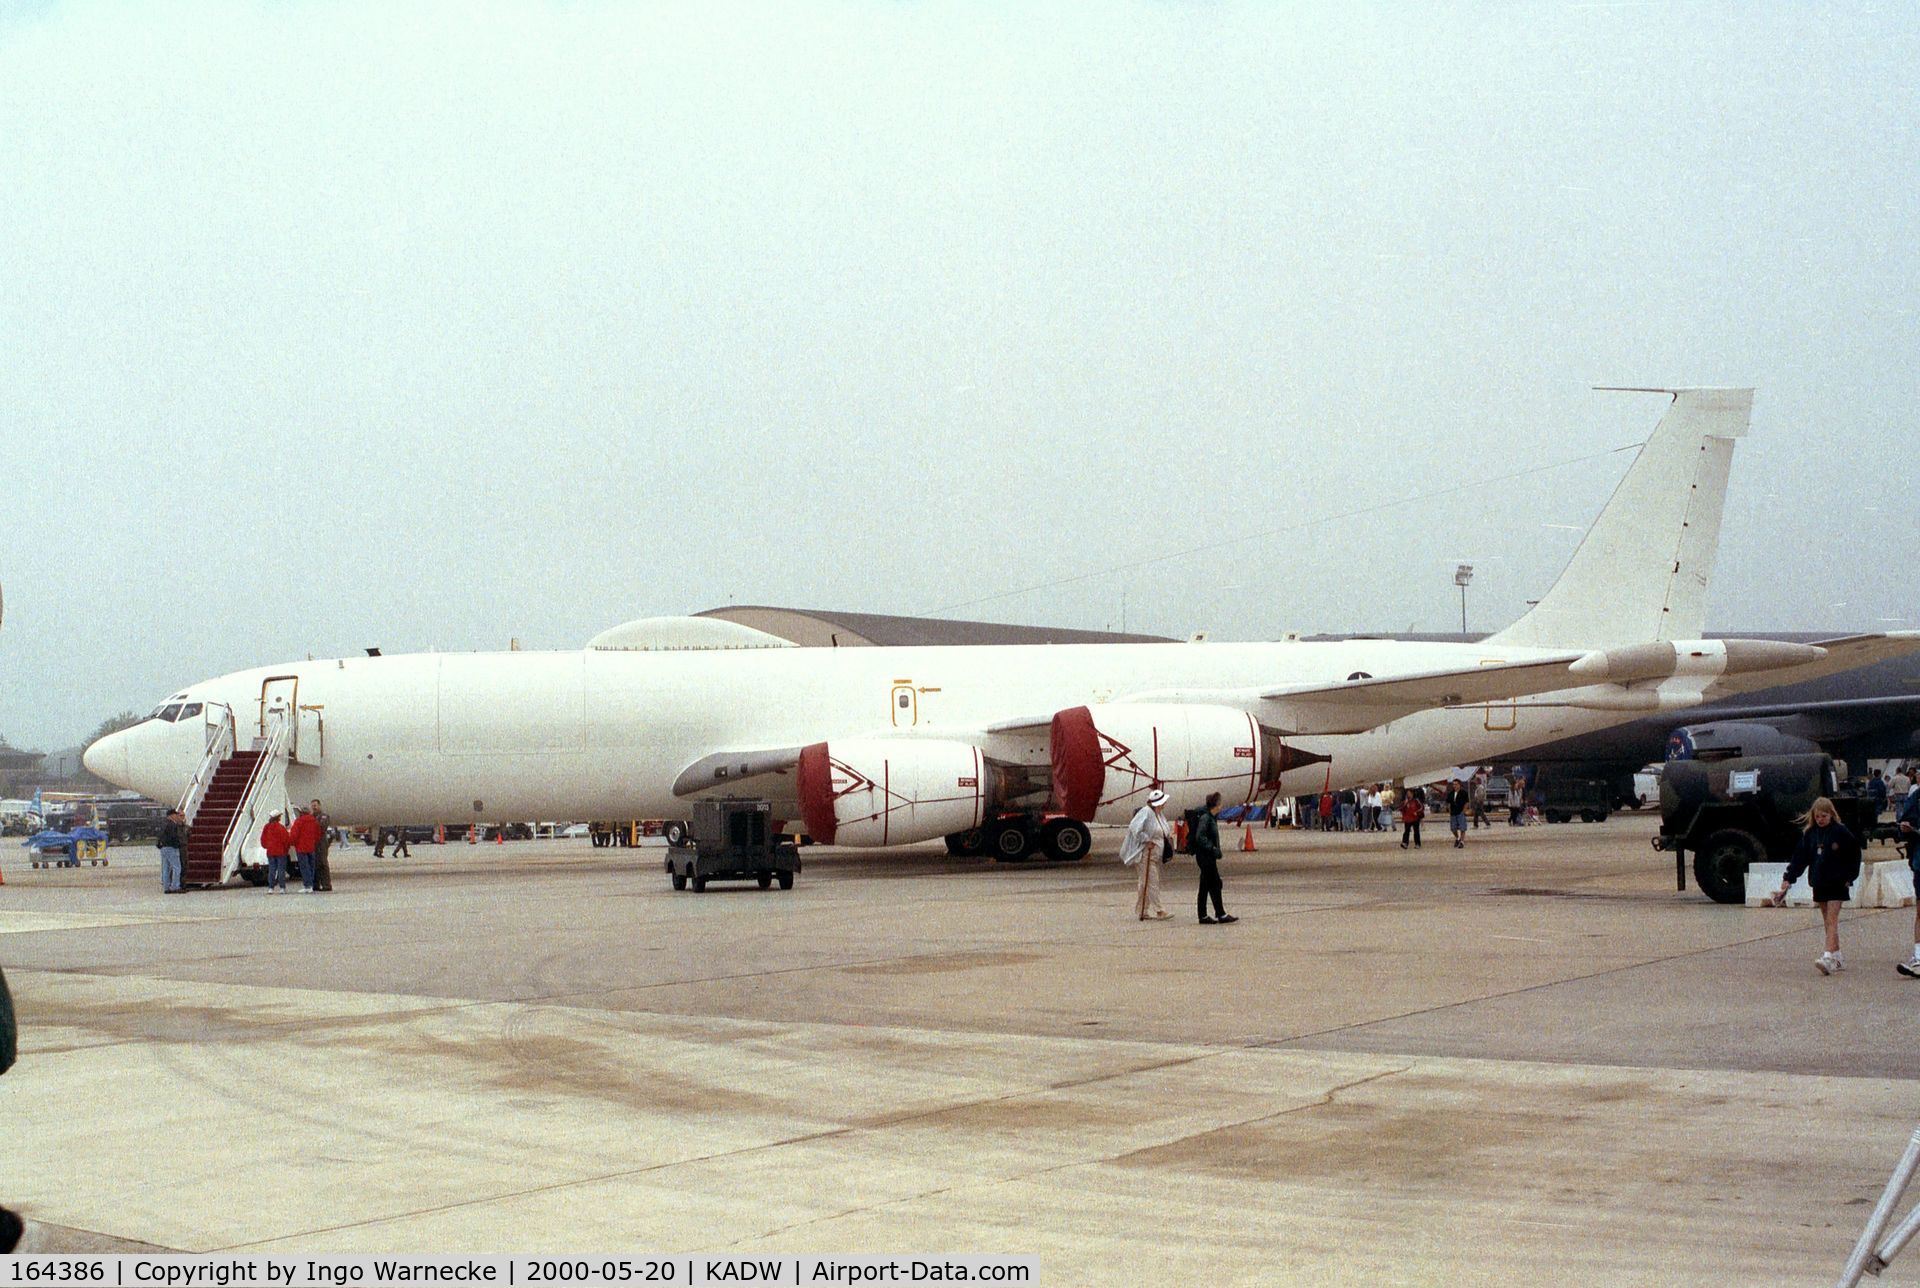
x,y
170,712
905,701
191,710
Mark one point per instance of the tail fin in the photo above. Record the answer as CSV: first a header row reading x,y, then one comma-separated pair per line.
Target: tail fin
x,y
1641,572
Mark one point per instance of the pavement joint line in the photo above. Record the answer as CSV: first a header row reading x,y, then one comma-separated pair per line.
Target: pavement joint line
x,y
1859,914
835,1133
1326,1098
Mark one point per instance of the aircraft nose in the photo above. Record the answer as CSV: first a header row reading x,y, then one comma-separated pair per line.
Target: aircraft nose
x,y
110,759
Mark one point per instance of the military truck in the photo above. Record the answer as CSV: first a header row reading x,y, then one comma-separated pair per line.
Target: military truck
x,y
732,840
1733,813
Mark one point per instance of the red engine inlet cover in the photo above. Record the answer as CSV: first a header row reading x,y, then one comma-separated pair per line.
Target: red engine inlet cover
x,y
814,780
1079,770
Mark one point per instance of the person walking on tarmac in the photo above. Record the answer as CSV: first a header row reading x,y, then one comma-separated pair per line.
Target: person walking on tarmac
x,y
1205,844
322,870
1830,856
1459,800
276,841
1148,841
172,843
1906,820
306,839
1413,808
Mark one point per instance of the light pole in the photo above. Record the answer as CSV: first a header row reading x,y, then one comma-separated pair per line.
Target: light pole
x,y
1461,576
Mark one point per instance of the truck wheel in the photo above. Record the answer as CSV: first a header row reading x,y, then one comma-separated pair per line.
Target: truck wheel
x,y
1066,838
679,880
1011,841
675,832
786,880
699,885
1555,816
1720,866
1588,816
766,880
253,876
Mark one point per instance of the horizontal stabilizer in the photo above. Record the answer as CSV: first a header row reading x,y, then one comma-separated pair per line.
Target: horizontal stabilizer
x,y
1847,653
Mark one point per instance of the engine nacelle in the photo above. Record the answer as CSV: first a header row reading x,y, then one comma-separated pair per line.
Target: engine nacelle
x,y
1107,758
882,791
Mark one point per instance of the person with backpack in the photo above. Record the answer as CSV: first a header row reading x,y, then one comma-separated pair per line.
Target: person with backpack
x,y
1413,808
1203,842
1830,856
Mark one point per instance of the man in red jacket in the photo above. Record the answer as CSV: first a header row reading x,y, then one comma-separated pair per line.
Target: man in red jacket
x,y
276,841
306,839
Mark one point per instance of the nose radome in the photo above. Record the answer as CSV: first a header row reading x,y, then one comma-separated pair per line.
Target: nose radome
x,y
108,759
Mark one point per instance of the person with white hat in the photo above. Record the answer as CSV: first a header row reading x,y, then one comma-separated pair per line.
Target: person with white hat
x,y
1148,841
276,840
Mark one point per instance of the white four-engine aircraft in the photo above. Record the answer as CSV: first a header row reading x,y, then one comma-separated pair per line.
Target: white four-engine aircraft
x,y
1012,745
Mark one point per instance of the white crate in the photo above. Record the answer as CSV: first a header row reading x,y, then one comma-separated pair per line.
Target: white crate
x,y
1892,884
1764,878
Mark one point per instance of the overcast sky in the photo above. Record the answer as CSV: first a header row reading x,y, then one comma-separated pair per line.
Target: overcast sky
x,y
428,326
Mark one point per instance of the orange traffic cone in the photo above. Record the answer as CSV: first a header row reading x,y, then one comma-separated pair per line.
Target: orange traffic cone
x,y
473,835
3,878
500,837
1246,842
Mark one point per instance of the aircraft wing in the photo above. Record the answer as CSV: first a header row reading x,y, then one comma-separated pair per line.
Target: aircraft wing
x,y
1846,653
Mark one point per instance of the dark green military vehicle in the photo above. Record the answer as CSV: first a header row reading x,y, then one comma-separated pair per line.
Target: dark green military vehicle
x,y
1733,813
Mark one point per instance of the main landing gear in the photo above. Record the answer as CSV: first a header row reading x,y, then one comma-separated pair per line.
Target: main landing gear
x,y
1023,836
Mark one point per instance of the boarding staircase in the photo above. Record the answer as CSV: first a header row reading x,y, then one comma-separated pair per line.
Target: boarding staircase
x,y
231,795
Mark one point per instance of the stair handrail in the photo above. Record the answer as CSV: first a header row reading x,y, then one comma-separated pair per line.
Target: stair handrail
x,y
245,819
219,745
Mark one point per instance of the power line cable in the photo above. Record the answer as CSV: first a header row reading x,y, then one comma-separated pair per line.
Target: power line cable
x,y
1475,482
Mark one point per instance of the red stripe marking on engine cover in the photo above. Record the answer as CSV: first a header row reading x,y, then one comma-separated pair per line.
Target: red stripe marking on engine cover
x,y
1079,771
1253,771
813,781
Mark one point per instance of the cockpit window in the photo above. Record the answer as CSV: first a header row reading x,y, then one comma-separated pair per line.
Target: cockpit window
x,y
169,713
191,710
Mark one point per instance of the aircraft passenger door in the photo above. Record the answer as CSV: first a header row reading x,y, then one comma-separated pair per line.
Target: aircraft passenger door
x,y
904,705
1501,716
281,693
310,730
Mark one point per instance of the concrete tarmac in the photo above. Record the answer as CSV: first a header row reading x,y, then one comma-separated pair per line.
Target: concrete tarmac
x,y
1530,1061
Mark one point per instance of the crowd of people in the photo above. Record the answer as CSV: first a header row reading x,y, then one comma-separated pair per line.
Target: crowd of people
x,y
1378,806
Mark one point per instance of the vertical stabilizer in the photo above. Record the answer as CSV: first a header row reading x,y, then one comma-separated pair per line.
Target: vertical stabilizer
x,y
1641,571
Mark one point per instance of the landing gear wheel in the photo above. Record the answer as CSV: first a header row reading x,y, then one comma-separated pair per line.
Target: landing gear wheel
x,y
679,880
786,880
1066,838
1720,866
1011,842
766,880
675,832
970,844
